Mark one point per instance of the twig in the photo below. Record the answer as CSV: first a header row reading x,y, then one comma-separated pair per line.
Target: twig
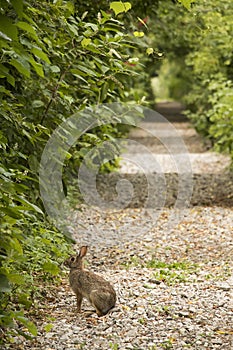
x,y
54,94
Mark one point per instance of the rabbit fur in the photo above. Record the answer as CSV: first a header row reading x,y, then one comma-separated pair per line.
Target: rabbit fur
x,y
93,287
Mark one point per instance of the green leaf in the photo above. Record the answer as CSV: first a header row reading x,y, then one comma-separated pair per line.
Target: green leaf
x,y
187,3
11,211
16,278
28,324
4,284
10,79
85,42
87,70
4,36
38,67
18,6
50,267
4,73
48,327
40,54
8,28
93,26
23,299
119,7
31,328
37,103
76,73
149,50
5,91
70,7
21,67
73,29
32,160
29,205
55,69
104,91
27,27
14,243
114,52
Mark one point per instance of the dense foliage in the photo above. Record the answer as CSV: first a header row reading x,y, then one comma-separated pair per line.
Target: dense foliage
x,y
198,47
57,57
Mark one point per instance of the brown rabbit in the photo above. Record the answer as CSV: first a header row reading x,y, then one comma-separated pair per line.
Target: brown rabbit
x,y
96,289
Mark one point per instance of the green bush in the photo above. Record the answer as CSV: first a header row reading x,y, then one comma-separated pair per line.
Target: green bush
x,y
199,43
56,59
221,114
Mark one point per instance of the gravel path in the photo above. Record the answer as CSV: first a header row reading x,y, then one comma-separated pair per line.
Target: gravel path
x,y
173,277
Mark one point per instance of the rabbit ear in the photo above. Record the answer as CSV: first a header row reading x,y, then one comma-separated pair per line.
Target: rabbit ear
x,y
83,251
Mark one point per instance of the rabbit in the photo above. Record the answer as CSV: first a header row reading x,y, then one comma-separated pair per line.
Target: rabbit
x,y
95,288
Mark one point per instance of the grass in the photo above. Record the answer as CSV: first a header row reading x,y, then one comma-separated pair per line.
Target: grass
x,y
167,272
164,309
179,271
134,261
174,272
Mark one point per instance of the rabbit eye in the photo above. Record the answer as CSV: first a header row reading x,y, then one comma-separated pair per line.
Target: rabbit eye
x,y
72,259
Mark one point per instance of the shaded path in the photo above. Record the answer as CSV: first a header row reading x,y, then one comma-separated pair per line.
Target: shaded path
x,y
174,287
147,157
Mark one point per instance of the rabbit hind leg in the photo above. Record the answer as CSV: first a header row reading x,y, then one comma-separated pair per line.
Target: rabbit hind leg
x,y
97,302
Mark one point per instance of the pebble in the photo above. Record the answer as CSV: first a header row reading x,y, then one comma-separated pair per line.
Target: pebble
x,y
188,307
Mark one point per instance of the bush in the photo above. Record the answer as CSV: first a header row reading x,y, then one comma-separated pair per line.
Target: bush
x,y
199,43
56,59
